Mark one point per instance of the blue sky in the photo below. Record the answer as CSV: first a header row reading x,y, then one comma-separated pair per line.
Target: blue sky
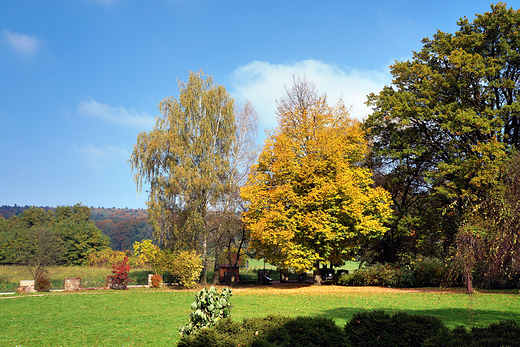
x,y
80,79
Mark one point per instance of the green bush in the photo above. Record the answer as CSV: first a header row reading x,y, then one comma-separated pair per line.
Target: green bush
x,y
209,307
429,272
379,275
271,331
378,328
424,273
503,333
365,329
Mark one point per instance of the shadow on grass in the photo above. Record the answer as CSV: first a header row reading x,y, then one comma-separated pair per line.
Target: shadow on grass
x,y
450,316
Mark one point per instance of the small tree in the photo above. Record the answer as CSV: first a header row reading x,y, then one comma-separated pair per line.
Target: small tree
x,y
147,252
120,278
40,249
186,267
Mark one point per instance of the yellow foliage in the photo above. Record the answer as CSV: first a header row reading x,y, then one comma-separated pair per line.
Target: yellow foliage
x,y
309,197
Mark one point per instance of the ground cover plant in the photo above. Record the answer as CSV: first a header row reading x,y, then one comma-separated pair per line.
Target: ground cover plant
x,y
153,316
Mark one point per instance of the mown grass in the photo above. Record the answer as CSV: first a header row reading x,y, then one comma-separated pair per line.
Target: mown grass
x,y
152,317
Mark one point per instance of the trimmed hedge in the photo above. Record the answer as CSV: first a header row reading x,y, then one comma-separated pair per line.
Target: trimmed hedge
x,y
378,328
365,329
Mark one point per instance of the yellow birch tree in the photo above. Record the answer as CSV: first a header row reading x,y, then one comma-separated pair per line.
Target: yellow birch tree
x,y
309,198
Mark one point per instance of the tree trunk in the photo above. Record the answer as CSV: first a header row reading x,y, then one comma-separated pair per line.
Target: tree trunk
x,y
216,268
468,279
204,272
317,275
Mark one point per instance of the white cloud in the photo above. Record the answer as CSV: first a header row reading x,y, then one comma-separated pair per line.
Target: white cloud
x,y
116,115
263,83
95,157
22,43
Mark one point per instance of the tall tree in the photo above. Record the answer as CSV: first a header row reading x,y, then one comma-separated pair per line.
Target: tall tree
x,y
443,129
310,199
226,223
184,158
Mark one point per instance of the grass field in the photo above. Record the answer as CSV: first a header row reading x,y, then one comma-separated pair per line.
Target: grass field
x,y
152,317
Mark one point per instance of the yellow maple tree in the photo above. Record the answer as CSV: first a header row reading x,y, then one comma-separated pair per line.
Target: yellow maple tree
x,y
310,199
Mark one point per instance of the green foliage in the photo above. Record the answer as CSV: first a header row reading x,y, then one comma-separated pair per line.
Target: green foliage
x,y
424,273
74,234
503,333
186,266
270,331
442,131
209,307
378,328
377,275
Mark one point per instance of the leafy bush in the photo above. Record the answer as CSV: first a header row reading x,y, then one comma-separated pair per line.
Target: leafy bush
x,y
120,278
503,333
270,331
186,267
429,272
378,328
379,275
424,273
210,306
156,281
42,283
365,329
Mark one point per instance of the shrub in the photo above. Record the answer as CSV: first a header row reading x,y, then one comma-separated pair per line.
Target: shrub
x,y
209,307
424,273
271,331
503,333
429,272
156,281
120,278
379,275
186,267
378,328
42,283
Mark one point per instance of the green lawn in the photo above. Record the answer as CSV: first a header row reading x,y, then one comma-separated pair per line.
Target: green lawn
x,y
151,317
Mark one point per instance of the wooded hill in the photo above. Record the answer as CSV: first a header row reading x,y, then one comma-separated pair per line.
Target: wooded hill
x,y
124,226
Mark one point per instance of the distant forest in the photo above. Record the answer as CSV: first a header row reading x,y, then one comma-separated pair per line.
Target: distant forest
x,y
124,226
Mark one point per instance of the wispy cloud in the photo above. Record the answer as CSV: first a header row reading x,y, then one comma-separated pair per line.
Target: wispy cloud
x,y
116,115
21,43
263,83
95,156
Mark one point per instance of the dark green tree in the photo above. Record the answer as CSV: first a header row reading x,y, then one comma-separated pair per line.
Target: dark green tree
x,y
442,130
79,234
